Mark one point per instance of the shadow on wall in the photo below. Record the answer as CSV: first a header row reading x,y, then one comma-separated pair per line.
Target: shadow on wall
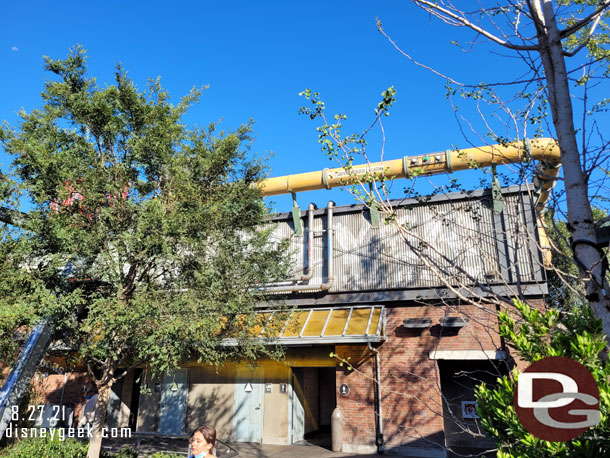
x,y
210,399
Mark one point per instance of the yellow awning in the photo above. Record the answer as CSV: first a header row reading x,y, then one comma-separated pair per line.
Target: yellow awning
x,y
348,324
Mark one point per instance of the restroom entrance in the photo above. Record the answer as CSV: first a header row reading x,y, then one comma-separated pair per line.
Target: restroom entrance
x,y
313,401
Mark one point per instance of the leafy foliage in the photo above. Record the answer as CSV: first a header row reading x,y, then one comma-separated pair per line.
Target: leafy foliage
x,y
143,237
125,452
535,335
46,447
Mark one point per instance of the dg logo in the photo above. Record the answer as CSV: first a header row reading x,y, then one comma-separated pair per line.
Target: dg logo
x,y
557,399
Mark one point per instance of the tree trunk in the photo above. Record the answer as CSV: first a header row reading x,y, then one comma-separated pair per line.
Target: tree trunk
x,y
99,420
580,216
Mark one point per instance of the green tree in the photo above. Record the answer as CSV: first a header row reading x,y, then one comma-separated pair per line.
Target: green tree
x,y
143,237
574,333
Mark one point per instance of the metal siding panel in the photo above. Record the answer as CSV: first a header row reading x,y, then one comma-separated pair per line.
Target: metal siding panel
x,y
518,239
462,232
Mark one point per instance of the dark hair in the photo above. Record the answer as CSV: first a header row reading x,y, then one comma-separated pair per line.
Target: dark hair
x,y
208,433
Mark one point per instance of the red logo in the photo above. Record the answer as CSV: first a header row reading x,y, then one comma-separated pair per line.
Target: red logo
x,y
557,399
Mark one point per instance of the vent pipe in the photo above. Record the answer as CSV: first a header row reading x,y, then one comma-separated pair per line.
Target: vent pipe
x,y
544,150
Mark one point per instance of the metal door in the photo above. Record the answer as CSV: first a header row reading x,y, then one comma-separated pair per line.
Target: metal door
x,y
248,405
172,413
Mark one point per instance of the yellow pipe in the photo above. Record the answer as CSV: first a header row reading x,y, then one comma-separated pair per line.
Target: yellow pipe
x,y
544,150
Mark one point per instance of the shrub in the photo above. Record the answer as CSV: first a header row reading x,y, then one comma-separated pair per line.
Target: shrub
x,y
46,448
574,333
125,452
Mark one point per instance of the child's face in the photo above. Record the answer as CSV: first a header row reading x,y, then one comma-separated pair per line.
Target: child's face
x,y
199,444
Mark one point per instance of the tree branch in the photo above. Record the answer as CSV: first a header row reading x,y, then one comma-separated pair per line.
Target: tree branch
x,y
584,43
14,217
579,25
448,78
460,21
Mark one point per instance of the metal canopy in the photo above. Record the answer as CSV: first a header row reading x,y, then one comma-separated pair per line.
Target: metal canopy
x,y
328,325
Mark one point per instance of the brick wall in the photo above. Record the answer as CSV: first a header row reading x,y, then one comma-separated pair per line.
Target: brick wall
x,y
358,406
55,388
411,393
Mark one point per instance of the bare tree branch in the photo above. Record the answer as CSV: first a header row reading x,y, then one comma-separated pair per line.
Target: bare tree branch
x,y
579,25
456,20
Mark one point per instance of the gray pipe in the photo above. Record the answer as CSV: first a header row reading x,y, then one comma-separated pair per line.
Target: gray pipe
x,y
325,286
309,273
379,441
330,228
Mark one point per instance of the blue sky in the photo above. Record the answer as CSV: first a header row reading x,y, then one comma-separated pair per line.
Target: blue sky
x,y
256,57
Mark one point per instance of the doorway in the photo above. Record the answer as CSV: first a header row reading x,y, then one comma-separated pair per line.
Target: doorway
x,y
313,401
172,410
248,405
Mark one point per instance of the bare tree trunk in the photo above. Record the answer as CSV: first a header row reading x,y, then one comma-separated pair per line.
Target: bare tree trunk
x,y
580,216
99,420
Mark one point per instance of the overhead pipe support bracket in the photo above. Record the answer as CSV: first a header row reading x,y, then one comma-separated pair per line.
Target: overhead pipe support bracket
x,y
374,210
496,192
527,145
325,178
296,216
448,161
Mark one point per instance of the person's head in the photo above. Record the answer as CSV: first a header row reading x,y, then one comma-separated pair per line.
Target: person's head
x,y
203,439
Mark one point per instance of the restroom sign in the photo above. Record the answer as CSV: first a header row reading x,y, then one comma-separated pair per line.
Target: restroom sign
x,y
344,390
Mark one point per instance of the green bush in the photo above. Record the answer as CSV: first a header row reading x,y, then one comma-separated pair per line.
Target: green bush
x,y
46,448
125,452
574,333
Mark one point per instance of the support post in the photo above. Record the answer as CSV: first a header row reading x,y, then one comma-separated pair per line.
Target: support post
x,y
336,429
296,216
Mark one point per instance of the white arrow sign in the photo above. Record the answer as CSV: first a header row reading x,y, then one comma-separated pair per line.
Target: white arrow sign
x,y
248,388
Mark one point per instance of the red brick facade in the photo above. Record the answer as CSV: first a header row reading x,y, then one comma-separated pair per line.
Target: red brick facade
x,y
412,406
65,389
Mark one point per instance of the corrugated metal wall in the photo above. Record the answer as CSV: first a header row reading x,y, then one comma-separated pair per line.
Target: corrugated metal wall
x,y
460,239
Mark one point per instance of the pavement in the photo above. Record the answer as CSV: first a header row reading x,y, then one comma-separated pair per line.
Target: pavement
x,y
146,446
288,451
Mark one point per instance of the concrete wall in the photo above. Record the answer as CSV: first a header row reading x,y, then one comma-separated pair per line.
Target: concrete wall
x,y
316,356
148,411
210,399
276,405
